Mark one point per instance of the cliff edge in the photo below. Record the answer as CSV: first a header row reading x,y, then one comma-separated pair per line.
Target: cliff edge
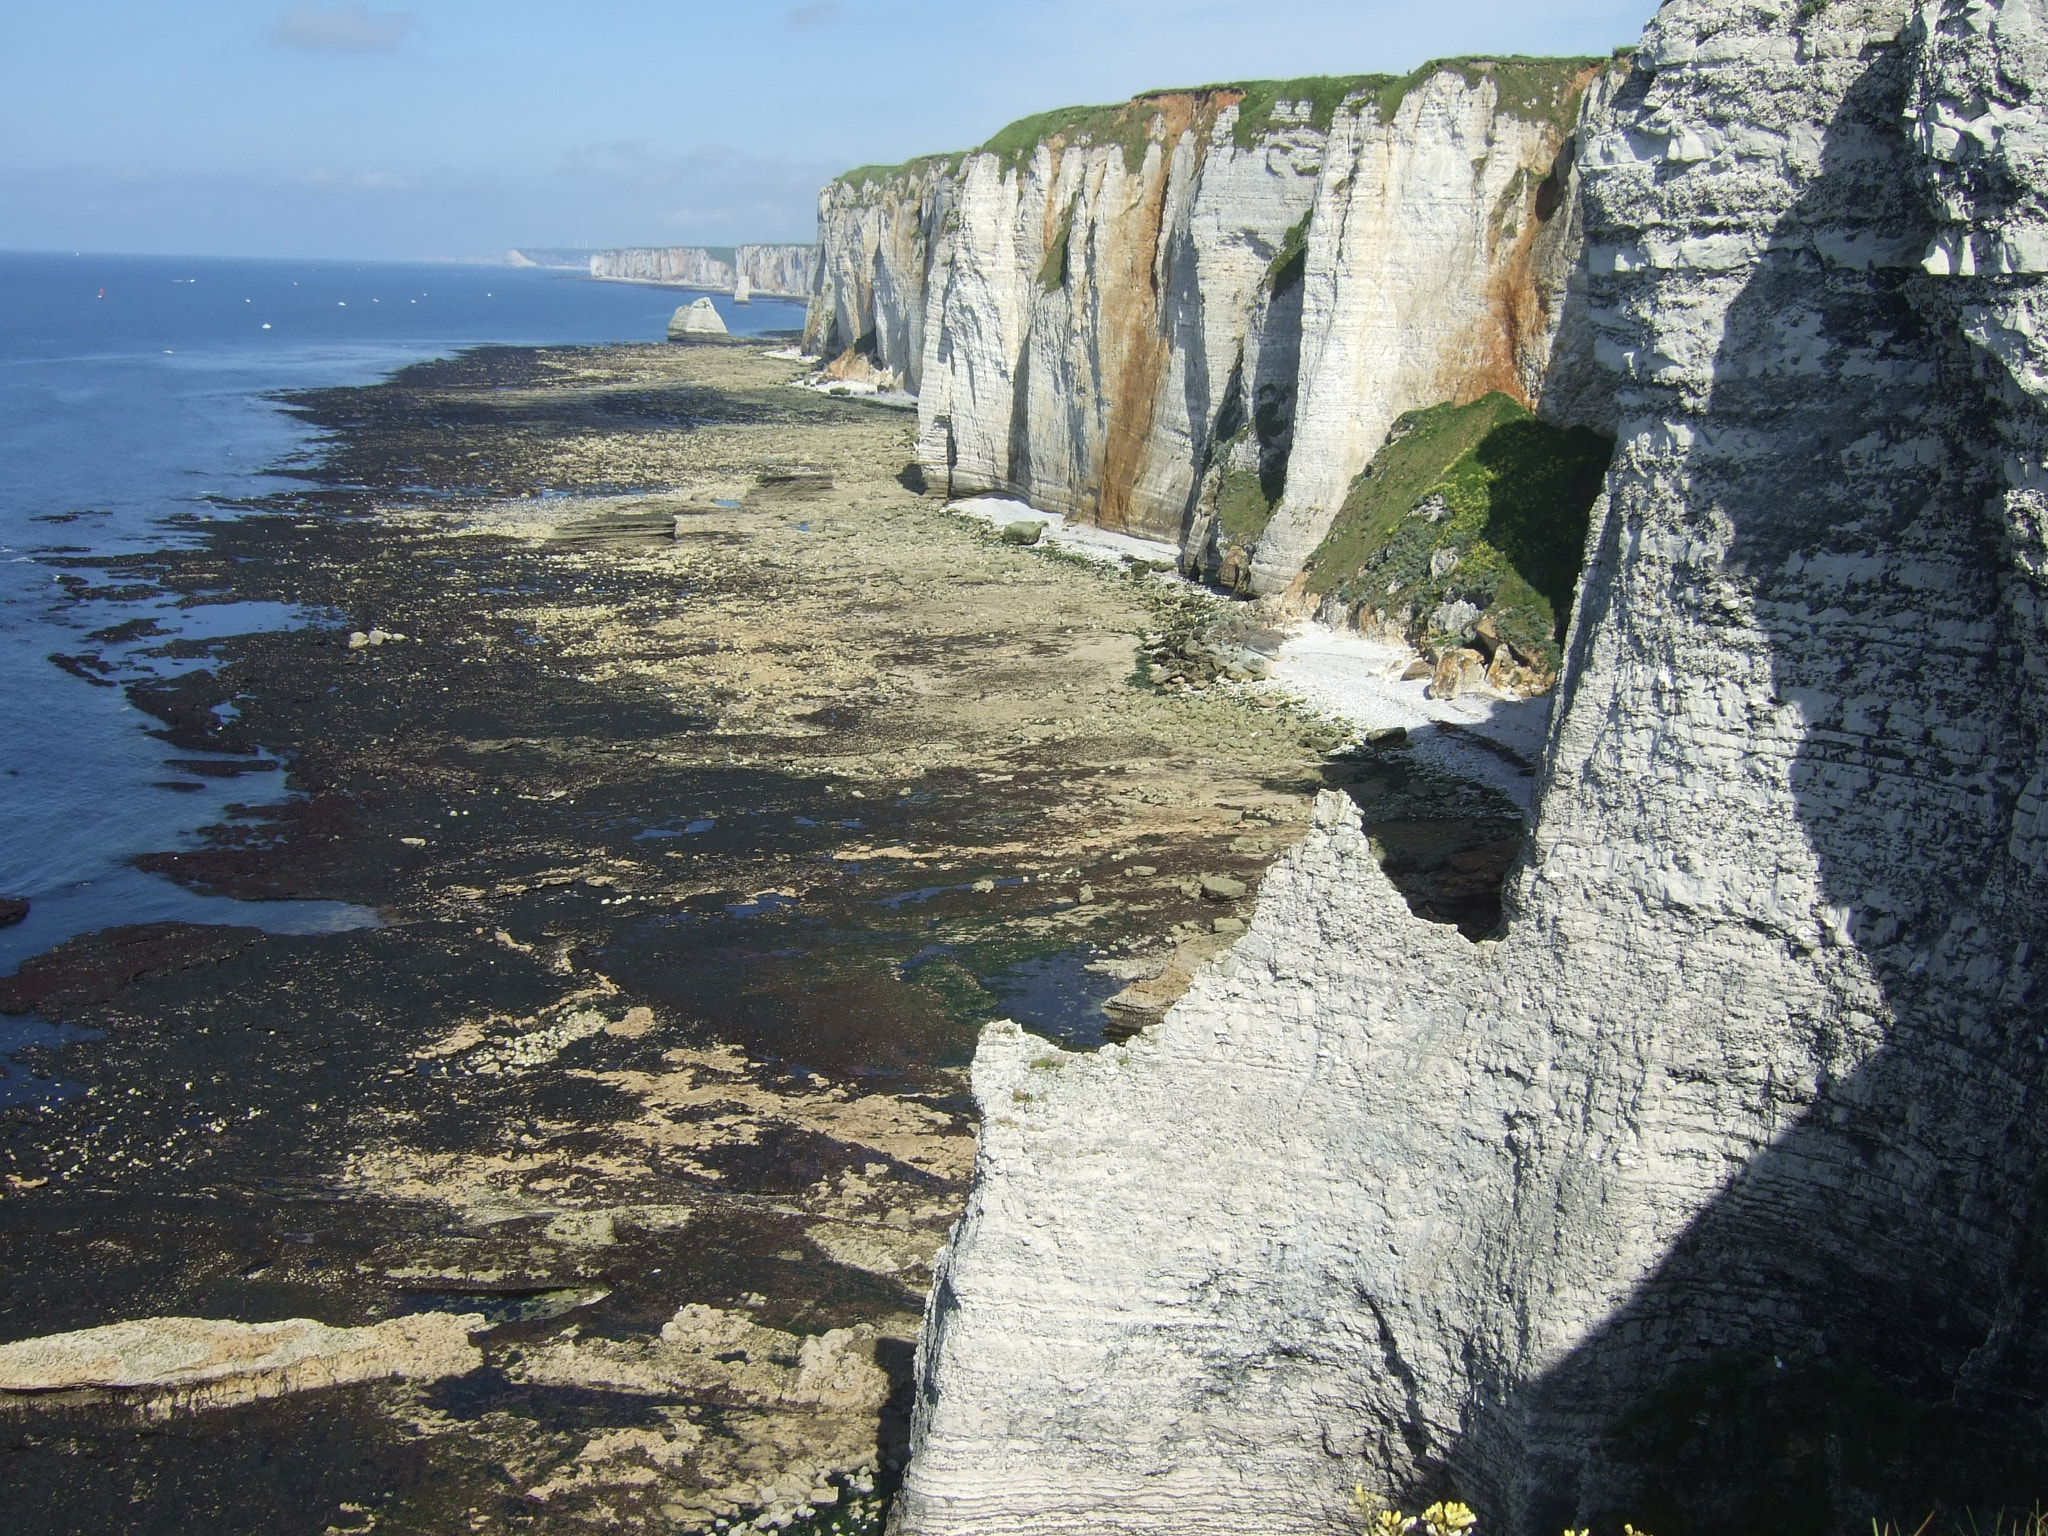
x,y
1706,1194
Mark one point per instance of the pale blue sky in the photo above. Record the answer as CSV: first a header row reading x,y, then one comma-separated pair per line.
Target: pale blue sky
x,y
432,128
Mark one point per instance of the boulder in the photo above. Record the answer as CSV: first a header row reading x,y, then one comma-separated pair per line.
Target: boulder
x,y
1508,673
696,321
1453,616
1023,531
13,909
1458,671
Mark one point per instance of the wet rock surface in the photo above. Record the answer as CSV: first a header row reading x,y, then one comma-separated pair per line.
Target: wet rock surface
x,y
713,787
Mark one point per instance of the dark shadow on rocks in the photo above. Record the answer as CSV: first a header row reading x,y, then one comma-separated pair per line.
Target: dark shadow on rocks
x,y
897,1358
1855,1326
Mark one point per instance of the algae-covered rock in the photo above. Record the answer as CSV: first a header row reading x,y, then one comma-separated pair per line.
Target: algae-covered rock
x,y
162,1364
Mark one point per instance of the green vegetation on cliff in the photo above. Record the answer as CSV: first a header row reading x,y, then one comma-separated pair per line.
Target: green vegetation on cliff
x,y
1290,262
1126,123
1323,93
1243,506
882,175
1535,90
1052,272
1538,90
1478,503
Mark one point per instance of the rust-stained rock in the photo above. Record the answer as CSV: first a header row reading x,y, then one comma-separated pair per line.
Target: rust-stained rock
x,y
1458,671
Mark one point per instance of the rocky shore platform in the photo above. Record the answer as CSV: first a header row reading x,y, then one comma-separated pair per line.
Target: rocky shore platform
x,y
713,787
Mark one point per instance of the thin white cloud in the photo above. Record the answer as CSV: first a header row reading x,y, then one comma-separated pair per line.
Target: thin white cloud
x,y
357,181
808,18
341,28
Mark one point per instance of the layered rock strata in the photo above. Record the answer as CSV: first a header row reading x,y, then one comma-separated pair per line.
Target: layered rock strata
x,y
1098,311
781,271
1734,1124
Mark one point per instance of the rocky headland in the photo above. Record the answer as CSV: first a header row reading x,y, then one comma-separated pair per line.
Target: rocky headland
x,y
1704,1191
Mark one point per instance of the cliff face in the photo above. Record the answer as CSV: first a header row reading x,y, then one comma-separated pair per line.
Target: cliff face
x,y
1102,307
1707,1193
876,232
782,271
779,271
1428,278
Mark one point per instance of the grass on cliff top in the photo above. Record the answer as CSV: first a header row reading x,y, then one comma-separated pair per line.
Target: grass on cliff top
x,y
1127,124
1536,90
1509,494
1323,93
882,175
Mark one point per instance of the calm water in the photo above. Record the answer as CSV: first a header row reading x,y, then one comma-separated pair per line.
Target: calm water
x,y
121,411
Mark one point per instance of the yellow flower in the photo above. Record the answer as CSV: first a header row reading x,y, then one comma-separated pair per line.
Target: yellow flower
x,y
1629,1530
1581,1531
1390,1522
1448,1518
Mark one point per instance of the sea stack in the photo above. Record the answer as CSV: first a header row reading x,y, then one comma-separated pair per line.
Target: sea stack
x,y
696,321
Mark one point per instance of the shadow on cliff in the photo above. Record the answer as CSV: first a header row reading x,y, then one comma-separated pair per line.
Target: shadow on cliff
x,y
1855,1326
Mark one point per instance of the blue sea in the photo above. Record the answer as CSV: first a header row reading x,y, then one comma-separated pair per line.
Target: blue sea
x,y
140,389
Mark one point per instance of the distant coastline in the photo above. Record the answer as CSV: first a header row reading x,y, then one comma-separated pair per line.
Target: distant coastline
x,y
773,270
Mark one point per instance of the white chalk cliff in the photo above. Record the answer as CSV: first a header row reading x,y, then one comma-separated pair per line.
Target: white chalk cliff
x,y
781,271
1096,310
1753,1073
